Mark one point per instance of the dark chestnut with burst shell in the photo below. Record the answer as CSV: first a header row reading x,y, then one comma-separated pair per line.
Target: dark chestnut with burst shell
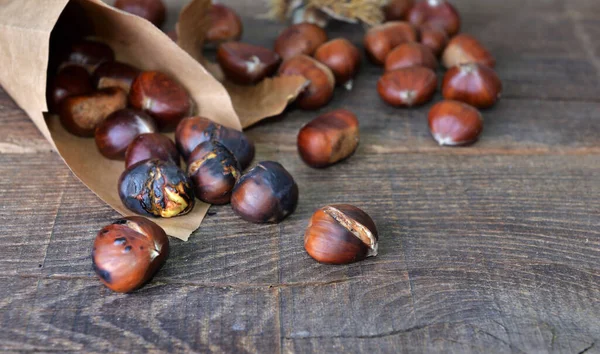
x,y
265,194
117,131
156,188
128,253
151,146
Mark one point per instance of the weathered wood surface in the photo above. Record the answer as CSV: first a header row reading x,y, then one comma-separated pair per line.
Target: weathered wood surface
x,y
492,248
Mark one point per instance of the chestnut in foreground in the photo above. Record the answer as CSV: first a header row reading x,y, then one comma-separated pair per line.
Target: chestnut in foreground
x,y
152,10
118,130
410,54
455,123
214,171
464,49
193,131
437,12
321,82
72,80
81,114
151,146
128,252
225,25
265,194
90,54
342,57
163,98
341,234
156,188
301,38
407,87
382,39
246,64
329,138
115,74
475,84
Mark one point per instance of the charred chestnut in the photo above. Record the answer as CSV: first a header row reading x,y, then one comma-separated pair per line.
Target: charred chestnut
x,y
90,54
72,80
213,170
115,74
128,253
193,131
266,194
341,234
118,130
81,114
163,98
156,188
151,146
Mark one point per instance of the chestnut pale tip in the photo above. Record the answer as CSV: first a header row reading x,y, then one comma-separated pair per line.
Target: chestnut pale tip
x,y
354,227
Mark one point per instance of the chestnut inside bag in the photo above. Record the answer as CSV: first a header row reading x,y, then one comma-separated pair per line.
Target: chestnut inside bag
x,y
25,32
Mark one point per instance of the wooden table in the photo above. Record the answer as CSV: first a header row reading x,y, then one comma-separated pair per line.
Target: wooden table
x,y
490,248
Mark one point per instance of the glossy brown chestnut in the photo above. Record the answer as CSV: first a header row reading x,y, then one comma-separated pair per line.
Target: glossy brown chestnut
x,y
434,37
156,188
329,138
464,49
397,10
342,57
410,54
265,194
72,80
407,87
152,10
246,64
437,12
213,171
225,25
341,234
475,84
90,54
455,123
151,146
128,252
381,40
118,130
114,74
81,114
321,84
302,38
163,98
193,131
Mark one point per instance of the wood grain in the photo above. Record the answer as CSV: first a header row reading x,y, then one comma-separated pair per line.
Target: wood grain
x,y
492,248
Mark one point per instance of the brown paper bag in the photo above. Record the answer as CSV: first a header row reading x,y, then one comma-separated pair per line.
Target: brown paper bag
x,y
25,28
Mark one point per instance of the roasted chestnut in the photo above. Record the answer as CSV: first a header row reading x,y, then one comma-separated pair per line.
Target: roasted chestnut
x,y
246,64
301,38
213,170
151,146
90,54
321,81
163,98
225,25
156,188
341,234
72,80
128,252
81,114
152,10
118,130
193,131
265,194
329,138
115,74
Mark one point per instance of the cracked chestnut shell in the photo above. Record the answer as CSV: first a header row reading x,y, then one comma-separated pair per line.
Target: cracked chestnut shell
x,y
437,12
128,252
475,84
301,38
193,131
246,64
225,25
115,74
118,130
152,10
81,114
72,80
380,40
321,82
342,57
407,87
329,138
213,171
410,54
454,123
90,54
151,146
163,98
341,234
265,194
156,188
464,49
